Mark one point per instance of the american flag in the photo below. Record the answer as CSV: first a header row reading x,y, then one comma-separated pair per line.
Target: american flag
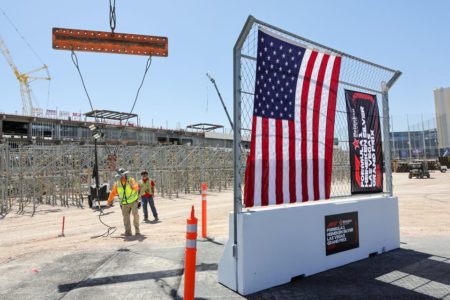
x,y
291,147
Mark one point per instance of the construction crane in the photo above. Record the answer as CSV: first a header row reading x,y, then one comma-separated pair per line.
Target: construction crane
x,y
24,79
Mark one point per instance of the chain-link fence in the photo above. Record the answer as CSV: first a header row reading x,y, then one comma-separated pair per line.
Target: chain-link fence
x,y
355,74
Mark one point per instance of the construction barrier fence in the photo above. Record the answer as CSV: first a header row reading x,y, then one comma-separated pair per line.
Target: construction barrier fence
x,y
62,174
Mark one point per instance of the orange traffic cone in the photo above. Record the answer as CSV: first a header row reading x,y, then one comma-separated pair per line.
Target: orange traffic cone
x,y
190,257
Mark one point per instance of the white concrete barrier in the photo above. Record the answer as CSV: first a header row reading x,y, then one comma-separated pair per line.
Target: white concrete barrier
x,y
278,243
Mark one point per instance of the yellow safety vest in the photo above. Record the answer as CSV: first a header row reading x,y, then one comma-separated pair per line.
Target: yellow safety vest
x,y
146,187
126,195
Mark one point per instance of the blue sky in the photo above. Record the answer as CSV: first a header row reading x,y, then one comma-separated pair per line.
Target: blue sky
x,y
411,36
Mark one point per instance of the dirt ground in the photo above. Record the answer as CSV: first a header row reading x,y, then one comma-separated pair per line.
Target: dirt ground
x,y
424,204
424,210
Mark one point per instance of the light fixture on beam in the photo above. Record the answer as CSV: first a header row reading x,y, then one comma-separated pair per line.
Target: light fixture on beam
x,y
96,132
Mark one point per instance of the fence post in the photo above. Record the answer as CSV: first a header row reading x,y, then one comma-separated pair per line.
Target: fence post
x,y
204,210
190,257
386,146
62,226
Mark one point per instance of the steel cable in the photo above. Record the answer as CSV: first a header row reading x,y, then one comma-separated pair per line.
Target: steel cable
x,y
112,15
147,67
111,229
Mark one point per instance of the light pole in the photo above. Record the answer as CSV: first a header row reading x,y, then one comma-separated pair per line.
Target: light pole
x,y
96,134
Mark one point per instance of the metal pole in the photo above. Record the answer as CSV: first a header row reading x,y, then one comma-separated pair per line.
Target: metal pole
x,y
393,138
237,209
96,170
387,148
221,100
409,138
424,146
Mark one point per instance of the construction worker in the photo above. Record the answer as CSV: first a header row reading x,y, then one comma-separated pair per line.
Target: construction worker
x,y
147,190
128,191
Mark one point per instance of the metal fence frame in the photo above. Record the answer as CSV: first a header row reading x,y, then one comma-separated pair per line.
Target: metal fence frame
x,y
31,175
390,76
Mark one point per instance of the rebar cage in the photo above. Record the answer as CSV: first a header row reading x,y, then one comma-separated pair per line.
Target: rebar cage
x,y
356,74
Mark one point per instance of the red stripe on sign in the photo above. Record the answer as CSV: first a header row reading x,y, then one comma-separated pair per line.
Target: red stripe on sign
x,y
279,161
378,173
292,177
357,171
265,162
316,117
249,190
329,138
303,111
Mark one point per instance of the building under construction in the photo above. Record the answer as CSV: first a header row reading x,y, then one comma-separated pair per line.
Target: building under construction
x,y
34,130
51,161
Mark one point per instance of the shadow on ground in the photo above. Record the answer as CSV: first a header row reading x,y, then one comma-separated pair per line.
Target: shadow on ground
x,y
147,272
158,275
399,274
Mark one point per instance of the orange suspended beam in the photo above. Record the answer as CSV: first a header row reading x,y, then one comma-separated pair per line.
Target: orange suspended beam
x,y
107,42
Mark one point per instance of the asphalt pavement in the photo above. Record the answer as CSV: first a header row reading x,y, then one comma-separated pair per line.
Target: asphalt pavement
x,y
420,269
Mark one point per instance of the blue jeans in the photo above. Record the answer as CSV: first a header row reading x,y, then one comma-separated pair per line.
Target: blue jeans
x,y
150,201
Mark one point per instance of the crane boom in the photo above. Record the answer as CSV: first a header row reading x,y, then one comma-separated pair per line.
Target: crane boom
x,y
23,78
8,57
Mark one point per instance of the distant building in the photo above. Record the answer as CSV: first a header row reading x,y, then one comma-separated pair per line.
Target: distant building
x,y
26,130
414,144
442,105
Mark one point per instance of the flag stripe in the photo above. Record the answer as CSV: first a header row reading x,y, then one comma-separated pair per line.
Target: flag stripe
x,y
330,124
292,164
249,190
304,107
298,128
272,162
258,160
265,161
322,126
309,126
286,163
315,126
279,160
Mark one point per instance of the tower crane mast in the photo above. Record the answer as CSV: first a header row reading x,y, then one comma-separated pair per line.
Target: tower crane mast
x,y
23,78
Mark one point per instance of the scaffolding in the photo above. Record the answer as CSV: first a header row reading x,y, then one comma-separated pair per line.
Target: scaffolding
x,y
31,175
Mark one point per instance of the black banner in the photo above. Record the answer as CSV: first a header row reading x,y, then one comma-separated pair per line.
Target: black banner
x,y
341,232
364,135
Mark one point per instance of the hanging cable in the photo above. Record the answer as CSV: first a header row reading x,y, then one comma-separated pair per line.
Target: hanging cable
x,y
74,58
147,67
110,230
112,15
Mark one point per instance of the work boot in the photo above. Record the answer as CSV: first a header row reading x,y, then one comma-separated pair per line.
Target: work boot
x,y
145,219
127,233
137,233
156,219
